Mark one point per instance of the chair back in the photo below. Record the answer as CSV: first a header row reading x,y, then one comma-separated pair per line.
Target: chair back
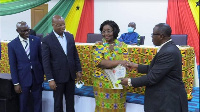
x,y
142,38
179,39
93,37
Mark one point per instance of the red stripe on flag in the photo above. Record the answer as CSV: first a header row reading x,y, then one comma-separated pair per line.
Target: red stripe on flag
x,y
86,24
180,18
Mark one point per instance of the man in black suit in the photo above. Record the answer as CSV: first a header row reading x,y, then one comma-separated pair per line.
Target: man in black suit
x,y
165,91
61,63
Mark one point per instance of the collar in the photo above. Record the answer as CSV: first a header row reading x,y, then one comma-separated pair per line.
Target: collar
x,y
163,45
58,36
21,39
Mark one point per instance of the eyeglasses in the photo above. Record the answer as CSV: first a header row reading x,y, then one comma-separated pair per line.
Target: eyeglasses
x,y
59,25
109,31
154,34
24,31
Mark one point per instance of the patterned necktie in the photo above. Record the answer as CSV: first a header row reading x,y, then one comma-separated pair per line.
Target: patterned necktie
x,y
27,48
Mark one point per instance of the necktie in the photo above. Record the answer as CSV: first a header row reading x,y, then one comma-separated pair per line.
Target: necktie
x,y
27,48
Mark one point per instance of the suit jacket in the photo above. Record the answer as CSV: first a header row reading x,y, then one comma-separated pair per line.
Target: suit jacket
x,y
20,64
165,91
57,65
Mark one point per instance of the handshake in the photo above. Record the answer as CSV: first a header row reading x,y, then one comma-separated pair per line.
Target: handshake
x,y
129,65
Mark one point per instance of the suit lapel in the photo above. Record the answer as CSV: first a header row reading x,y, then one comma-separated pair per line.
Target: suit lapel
x,y
67,39
21,48
56,42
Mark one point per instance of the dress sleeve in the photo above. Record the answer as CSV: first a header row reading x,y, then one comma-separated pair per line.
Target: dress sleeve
x,y
125,52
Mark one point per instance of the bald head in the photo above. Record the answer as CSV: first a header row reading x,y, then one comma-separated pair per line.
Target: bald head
x,y
164,29
58,24
161,34
56,18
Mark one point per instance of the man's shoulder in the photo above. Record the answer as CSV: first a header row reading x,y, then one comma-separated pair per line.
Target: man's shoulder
x,y
13,41
135,34
47,36
68,34
34,37
123,34
170,47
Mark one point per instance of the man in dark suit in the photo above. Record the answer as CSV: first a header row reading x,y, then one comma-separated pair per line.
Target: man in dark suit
x,y
25,61
61,63
165,91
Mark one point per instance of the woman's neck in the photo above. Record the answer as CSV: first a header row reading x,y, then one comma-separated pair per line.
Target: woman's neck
x,y
111,42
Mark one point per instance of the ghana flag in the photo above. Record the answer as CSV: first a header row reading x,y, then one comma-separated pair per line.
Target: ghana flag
x,y
183,17
79,18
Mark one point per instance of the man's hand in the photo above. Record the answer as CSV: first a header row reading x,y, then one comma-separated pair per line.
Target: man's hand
x,y
52,84
131,66
18,88
79,76
124,81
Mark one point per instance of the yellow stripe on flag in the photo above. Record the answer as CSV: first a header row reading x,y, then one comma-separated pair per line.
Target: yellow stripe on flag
x,y
72,19
195,11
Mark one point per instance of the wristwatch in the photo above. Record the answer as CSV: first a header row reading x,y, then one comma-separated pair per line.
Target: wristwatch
x,y
129,82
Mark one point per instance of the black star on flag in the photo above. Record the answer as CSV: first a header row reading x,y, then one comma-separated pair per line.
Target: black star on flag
x,y
77,7
197,3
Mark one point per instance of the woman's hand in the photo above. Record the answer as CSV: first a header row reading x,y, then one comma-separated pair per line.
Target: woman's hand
x,y
129,65
123,63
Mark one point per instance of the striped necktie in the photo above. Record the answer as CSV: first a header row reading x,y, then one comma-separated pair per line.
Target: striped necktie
x,y
27,48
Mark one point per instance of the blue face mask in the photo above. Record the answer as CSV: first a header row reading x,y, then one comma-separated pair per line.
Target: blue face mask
x,y
130,29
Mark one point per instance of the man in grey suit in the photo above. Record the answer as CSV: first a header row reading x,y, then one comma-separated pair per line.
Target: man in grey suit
x,y
165,91
61,64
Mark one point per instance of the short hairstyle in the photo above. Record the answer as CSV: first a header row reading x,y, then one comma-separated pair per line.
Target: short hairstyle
x,y
114,26
164,29
22,23
132,23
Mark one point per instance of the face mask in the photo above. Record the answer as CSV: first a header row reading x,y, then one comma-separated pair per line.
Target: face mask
x,y
130,29
79,84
